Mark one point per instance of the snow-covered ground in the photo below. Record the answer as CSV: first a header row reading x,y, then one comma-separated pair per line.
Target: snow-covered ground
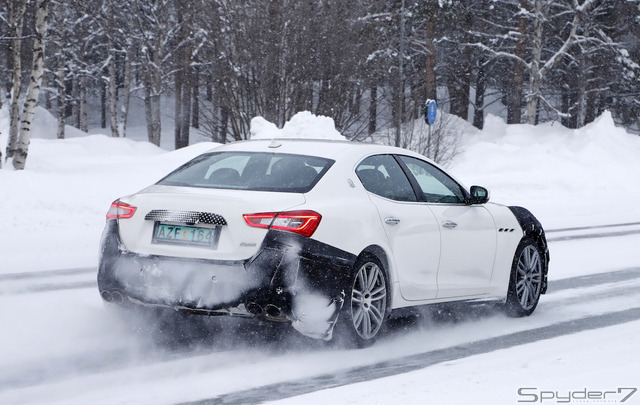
x,y
52,216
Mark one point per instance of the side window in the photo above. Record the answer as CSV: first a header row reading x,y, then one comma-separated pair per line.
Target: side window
x,y
383,176
436,186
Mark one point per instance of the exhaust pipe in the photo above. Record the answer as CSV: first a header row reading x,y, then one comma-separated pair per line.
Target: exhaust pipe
x,y
273,311
106,295
117,297
253,308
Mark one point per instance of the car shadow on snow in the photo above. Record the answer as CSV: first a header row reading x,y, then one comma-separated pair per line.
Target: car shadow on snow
x,y
418,319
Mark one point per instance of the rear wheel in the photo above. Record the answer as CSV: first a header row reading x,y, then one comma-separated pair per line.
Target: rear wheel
x,y
525,284
365,308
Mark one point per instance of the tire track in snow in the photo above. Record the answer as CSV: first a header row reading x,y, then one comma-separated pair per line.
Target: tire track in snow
x,y
46,273
576,233
584,228
589,280
48,280
407,364
592,236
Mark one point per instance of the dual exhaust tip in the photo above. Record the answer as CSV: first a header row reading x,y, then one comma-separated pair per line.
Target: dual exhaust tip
x,y
269,310
112,296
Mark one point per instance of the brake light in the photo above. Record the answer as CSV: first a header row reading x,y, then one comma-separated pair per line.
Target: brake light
x,y
120,210
301,222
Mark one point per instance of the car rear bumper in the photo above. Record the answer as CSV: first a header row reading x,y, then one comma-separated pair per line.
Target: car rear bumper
x,y
290,278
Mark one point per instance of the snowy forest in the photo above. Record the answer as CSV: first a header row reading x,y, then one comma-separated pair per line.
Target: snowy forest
x,y
368,64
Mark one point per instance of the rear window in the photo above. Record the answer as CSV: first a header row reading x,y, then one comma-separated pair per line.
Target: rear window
x,y
255,171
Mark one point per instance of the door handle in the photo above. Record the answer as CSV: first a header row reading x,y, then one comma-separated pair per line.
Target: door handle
x,y
392,221
449,224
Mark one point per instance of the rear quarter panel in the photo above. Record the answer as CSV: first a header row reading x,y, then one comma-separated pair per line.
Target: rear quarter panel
x,y
349,220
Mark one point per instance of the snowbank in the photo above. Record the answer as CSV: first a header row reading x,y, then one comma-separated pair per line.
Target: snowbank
x,y
565,176
302,125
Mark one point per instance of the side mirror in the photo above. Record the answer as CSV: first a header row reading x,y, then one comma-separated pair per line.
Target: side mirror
x,y
479,195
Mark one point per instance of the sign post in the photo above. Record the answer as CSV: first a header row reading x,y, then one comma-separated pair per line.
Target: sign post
x,y
430,112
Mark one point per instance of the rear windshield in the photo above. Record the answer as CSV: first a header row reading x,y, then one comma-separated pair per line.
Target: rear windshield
x,y
255,171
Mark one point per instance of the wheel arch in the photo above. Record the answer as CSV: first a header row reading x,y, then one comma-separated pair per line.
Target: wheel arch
x,y
378,252
532,228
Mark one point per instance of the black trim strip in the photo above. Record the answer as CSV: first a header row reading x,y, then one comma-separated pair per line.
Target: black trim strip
x,y
186,217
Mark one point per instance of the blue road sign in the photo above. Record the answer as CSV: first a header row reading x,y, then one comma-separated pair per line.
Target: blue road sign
x,y
430,111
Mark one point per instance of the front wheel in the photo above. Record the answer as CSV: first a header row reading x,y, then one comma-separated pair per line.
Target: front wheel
x,y
365,308
525,284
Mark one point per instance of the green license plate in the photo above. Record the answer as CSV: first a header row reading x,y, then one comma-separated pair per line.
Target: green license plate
x,y
186,235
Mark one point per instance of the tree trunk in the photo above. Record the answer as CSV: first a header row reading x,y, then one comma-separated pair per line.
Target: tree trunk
x,y
591,106
33,91
124,112
459,94
16,19
195,90
592,95
581,88
147,111
75,94
152,107
515,92
83,120
481,87
569,98
209,96
431,62
224,122
178,88
103,104
186,106
373,109
47,94
113,92
62,98
564,105
535,77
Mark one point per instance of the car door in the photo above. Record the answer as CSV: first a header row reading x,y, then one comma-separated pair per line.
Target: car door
x,y
468,234
410,226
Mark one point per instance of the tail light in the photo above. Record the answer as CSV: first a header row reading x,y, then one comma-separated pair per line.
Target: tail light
x,y
120,210
301,222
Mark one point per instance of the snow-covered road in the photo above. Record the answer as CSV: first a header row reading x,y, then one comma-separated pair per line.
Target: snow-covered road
x,y
63,346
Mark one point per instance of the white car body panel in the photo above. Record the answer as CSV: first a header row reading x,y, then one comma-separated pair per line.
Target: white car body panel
x,y
238,241
415,243
467,249
506,243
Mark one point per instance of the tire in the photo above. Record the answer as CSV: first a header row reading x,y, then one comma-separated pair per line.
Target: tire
x,y
366,303
525,283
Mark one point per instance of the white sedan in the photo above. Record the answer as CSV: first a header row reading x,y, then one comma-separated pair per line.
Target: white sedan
x,y
332,237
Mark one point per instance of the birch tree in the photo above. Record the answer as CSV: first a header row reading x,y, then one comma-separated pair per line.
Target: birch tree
x,y
539,68
115,14
33,91
16,22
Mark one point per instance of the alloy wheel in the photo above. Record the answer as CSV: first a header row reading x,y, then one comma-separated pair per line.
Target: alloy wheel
x,y
368,300
529,277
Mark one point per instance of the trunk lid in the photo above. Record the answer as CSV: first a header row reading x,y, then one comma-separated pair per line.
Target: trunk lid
x,y
180,221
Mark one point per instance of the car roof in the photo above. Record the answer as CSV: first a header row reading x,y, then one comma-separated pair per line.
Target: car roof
x,y
314,147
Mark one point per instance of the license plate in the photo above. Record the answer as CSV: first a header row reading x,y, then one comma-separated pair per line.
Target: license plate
x,y
186,235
